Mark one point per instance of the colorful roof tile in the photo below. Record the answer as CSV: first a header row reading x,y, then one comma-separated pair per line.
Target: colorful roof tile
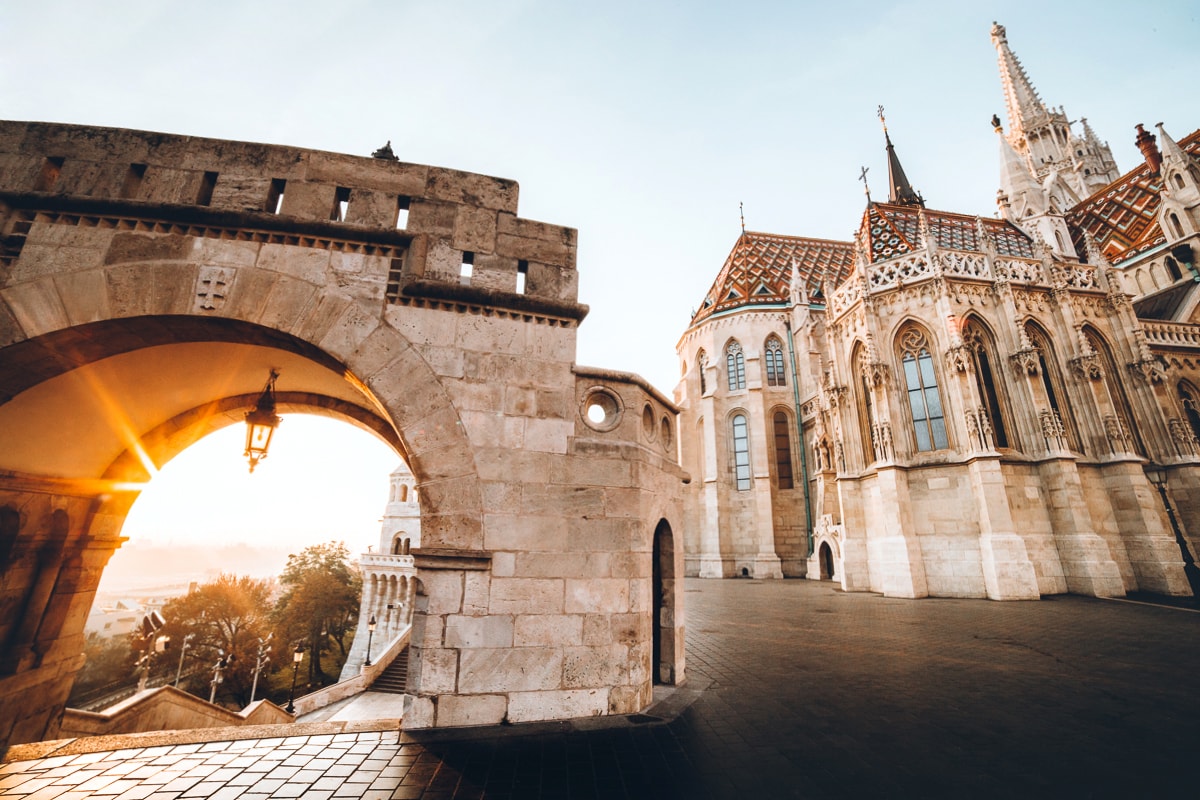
x,y
894,230
1123,216
758,270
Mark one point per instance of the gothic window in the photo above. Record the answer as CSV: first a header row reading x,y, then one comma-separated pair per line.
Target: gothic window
x,y
774,358
978,340
866,409
783,451
1176,228
701,365
741,452
1052,380
929,421
1189,398
735,366
1173,268
1116,393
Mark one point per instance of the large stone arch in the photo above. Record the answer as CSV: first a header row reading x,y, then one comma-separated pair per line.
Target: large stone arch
x,y
124,255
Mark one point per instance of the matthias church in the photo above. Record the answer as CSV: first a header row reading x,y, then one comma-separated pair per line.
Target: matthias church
x,y
957,405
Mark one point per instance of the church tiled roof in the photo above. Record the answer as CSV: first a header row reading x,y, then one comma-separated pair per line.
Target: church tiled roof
x,y
893,230
758,270
1123,216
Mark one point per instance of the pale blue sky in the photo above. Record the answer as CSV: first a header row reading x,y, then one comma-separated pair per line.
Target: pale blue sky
x,y
642,124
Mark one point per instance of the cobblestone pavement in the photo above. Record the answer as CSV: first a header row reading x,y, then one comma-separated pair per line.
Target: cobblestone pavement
x,y
795,690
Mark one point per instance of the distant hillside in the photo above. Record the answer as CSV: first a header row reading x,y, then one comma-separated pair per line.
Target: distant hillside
x,y
147,565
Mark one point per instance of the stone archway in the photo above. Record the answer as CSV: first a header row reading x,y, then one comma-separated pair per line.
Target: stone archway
x,y
152,280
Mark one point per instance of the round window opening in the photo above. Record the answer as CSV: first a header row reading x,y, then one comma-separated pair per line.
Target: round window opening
x,y
601,409
648,422
666,433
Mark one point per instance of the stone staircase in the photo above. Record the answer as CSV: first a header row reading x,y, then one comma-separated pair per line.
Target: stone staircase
x,y
393,679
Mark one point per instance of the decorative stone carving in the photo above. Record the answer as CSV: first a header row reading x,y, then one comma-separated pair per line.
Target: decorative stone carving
x,y
881,440
1053,429
1150,370
1182,437
958,358
212,285
1087,366
1119,440
1027,361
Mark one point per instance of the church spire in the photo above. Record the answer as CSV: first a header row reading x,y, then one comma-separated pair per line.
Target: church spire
x,y
1022,104
899,190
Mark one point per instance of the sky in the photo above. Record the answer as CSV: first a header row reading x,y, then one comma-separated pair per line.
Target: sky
x,y
641,124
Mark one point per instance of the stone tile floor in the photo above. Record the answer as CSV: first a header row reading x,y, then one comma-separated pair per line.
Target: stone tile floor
x,y
794,690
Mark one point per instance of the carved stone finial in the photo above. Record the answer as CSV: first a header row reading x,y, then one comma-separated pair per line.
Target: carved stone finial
x,y
385,153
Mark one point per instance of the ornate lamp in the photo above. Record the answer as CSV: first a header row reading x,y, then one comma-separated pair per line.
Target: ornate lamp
x,y
261,423
297,657
370,636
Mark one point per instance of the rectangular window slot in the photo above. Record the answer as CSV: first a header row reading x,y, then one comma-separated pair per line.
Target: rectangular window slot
x,y
275,196
467,269
51,168
392,293
402,213
341,202
207,185
133,181
522,273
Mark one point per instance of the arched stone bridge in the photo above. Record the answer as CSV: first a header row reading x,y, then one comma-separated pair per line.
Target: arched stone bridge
x,y
148,282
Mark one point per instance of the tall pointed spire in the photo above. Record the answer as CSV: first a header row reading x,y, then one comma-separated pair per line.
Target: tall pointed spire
x,y
1042,134
900,192
1022,104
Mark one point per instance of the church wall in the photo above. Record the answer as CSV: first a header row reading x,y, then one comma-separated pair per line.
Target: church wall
x,y
1027,499
947,527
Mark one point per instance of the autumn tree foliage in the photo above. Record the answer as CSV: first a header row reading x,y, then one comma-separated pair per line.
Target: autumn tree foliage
x,y
319,604
225,617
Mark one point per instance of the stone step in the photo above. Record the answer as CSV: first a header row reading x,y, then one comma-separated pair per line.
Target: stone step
x,y
393,679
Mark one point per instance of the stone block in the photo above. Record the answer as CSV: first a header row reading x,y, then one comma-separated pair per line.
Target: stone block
x,y
586,667
467,188
533,706
519,669
597,595
463,710
523,533
479,632
548,435
545,630
444,588
306,263
476,587
474,229
504,564
419,712
526,596
562,565
438,671
84,296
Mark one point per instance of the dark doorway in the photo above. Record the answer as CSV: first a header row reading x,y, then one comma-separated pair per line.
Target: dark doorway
x,y
662,665
827,571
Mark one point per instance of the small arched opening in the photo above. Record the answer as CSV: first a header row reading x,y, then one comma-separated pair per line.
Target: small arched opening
x,y
664,648
828,568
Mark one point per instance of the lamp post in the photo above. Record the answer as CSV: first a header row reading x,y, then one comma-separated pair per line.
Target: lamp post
x,y
370,636
1158,476
261,423
297,657
218,678
182,651
261,660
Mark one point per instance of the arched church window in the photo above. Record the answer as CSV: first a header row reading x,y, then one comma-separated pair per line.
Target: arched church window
x,y
1173,268
774,358
1176,227
1189,398
783,451
1058,237
976,337
866,408
1052,380
701,367
403,493
1178,180
1116,392
924,400
735,366
741,452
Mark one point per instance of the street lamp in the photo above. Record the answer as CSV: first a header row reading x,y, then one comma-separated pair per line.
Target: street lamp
x,y
182,652
1157,475
261,661
370,636
222,662
297,657
261,423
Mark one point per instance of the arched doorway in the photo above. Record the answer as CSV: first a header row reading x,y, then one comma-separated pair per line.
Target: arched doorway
x,y
663,590
828,570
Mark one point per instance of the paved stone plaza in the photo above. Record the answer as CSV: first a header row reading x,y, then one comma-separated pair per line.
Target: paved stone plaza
x,y
794,690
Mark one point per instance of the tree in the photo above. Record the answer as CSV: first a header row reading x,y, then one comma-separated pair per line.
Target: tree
x,y
225,619
319,604
110,663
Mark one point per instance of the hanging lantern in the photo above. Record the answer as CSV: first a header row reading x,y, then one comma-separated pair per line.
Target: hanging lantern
x,y
261,423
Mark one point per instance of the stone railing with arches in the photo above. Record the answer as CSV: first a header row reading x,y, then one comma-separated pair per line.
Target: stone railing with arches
x,y
1171,334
